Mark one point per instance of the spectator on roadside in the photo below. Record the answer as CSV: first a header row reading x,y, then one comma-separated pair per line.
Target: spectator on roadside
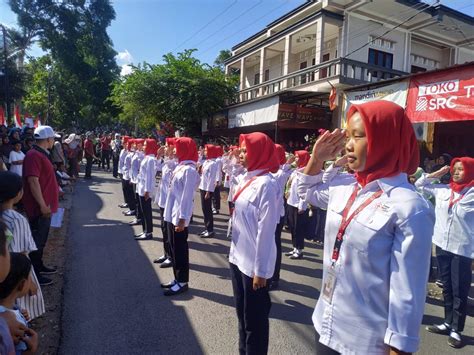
x,y
89,154
105,150
72,154
116,146
16,158
5,149
28,144
57,153
41,196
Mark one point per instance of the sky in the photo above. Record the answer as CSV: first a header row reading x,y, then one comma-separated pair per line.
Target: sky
x,y
145,30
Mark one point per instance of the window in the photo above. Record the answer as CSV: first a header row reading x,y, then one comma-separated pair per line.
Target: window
x,y
303,65
266,75
256,79
380,59
415,69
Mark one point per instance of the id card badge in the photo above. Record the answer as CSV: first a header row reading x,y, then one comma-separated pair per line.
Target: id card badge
x,y
329,283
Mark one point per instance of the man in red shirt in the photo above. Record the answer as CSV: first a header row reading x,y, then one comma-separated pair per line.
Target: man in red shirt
x,y
89,154
41,196
105,150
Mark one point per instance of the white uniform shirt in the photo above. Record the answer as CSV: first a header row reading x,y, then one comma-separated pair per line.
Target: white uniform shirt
x,y
135,169
219,170
180,197
282,176
123,154
16,156
383,266
147,176
127,165
293,198
254,221
166,172
454,228
209,175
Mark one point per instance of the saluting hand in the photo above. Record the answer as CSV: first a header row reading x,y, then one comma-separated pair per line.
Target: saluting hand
x,y
440,173
329,144
259,282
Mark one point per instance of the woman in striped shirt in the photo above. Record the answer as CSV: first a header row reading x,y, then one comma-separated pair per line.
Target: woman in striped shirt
x,y
11,192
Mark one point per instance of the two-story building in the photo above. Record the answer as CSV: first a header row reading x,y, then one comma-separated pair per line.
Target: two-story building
x,y
287,70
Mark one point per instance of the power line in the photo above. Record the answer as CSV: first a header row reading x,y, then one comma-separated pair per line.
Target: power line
x,y
207,24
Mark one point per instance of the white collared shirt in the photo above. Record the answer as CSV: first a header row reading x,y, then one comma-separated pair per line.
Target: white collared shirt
x,y
382,271
454,228
293,198
180,197
135,169
123,154
166,172
146,179
209,175
254,221
282,176
219,170
127,165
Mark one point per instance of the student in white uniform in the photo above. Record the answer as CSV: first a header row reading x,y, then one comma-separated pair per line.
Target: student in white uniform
x,y
281,176
454,240
216,196
123,154
134,170
378,235
253,251
297,209
146,187
167,167
16,158
126,183
178,212
207,186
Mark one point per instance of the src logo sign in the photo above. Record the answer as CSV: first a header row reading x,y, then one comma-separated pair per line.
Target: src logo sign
x,y
436,103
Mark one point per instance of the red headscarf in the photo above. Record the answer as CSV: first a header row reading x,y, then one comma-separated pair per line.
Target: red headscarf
x,y
392,146
139,141
130,142
151,147
212,151
280,152
170,141
303,158
468,181
186,149
260,152
220,150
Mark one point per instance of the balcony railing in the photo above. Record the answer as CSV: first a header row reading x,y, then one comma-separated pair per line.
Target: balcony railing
x,y
348,71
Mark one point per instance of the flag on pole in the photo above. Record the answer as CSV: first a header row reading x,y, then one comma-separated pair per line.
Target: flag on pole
x,y
332,99
17,117
2,117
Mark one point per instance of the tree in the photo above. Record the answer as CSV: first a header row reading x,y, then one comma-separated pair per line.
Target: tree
x,y
182,90
223,55
74,33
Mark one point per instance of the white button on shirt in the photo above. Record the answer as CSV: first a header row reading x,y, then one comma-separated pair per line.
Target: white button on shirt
x,y
147,176
209,175
180,197
454,228
382,270
254,221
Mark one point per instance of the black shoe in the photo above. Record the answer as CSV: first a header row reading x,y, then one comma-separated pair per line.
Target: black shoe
x,y
135,222
439,283
48,270
273,285
168,285
44,281
439,329
145,236
130,213
123,205
289,253
215,211
138,235
296,255
202,233
170,292
453,342
160,260
207,235
166,264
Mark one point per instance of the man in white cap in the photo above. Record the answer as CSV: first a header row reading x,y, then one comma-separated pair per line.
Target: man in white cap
x,y
41,196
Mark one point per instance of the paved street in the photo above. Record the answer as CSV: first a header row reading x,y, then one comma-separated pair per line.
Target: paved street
x,y
113,302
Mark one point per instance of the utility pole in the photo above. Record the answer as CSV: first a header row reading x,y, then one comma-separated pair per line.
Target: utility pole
x,y
5,71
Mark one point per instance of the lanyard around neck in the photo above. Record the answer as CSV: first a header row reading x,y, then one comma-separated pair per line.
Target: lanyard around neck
x,y
237,194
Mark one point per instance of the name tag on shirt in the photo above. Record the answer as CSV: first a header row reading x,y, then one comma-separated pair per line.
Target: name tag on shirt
x,y
329,284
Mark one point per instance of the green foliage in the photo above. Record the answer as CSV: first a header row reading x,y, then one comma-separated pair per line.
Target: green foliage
x,y
221,58
182,90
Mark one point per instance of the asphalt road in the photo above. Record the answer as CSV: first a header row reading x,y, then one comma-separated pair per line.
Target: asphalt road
x,y
113,303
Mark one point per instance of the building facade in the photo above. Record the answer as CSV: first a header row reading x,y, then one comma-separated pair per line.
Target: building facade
x,y
288,69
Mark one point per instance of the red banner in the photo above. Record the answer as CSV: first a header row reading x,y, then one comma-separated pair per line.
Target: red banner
x,y
444,96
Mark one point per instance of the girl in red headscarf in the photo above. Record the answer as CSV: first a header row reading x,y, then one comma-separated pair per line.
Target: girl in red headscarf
x,y
178,212
123,154
454,240
378,235
216,196
137,158
126,176
167,163
253,251
209,178
297,209
146,187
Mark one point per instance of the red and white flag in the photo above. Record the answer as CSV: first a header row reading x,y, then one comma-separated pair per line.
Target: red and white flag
x,y
3,122
17,117
332,99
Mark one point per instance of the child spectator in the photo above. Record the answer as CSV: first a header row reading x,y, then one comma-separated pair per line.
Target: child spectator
x,y
16,285
16,158
11,192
